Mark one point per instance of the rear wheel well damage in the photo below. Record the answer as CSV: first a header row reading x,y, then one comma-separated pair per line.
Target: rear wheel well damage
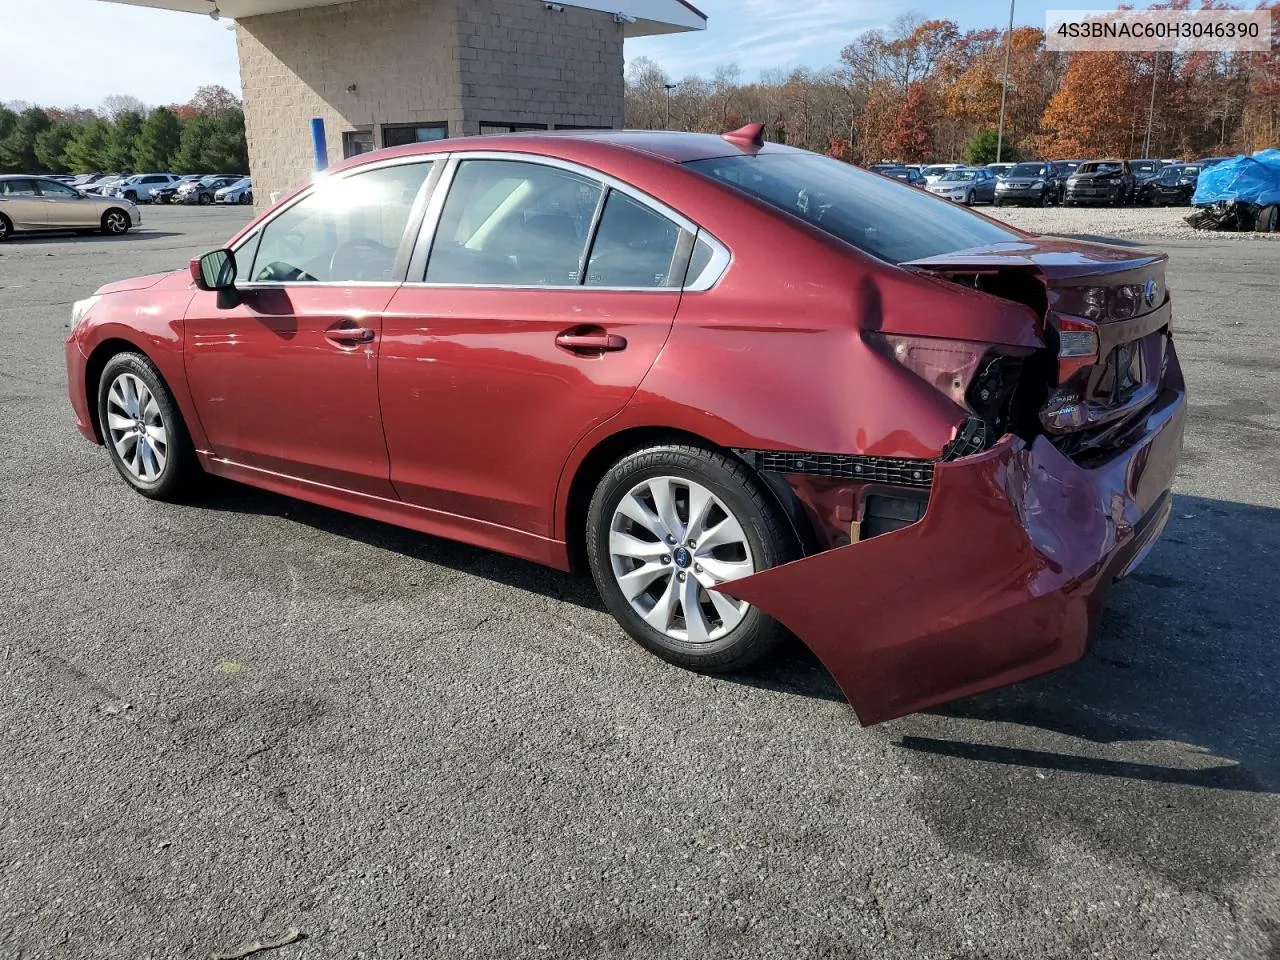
x,y
613,448
93,368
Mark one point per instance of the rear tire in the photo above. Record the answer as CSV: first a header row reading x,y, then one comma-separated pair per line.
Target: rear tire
x,y
115,222
743,531
206,199
143,430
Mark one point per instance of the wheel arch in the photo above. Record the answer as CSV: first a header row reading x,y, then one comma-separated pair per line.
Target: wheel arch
x,y
97,362
600,458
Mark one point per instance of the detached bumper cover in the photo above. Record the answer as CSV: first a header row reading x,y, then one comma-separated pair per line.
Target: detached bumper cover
x,y
1002,579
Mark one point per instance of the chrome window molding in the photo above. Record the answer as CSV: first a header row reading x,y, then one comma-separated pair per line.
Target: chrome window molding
x,y
418,263
429,205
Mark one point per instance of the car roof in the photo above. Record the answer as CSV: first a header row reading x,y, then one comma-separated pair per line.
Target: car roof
x,y
673,146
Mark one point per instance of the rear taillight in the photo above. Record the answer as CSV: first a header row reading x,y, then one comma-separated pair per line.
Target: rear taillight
x,y
946,365
1077,346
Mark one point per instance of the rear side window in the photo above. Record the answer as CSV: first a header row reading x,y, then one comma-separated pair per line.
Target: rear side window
x,y
883,217
634,247
17,188
512,223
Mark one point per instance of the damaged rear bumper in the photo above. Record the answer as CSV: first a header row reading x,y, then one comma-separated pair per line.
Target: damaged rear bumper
x,y
1001,580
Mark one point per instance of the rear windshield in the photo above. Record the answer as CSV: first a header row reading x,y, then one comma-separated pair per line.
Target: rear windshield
x,y
882,217
1027,170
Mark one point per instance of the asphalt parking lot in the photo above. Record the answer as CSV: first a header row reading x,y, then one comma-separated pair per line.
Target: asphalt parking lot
x,y
233,718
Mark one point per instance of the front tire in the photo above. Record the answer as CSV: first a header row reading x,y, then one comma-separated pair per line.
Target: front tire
x,y
206,199
143,430
6,228
115,222
246,198
668,522
968,199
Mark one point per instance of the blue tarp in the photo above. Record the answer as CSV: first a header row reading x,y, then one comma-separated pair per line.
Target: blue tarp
x,y
1254,179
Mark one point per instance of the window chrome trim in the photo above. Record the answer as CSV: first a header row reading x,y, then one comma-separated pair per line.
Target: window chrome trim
x,y
719,263
437,161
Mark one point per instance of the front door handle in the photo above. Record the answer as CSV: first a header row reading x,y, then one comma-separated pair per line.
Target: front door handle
x,y
350,335
590,341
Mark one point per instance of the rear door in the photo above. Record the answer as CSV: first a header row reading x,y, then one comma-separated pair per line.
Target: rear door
x,y
511,340
21,202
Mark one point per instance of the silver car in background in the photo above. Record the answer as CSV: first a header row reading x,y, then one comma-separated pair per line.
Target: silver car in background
x,y
239,192
968,185
38,203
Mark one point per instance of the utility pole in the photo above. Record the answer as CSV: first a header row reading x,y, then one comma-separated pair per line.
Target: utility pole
x,y
1151,110
668,87
1004,84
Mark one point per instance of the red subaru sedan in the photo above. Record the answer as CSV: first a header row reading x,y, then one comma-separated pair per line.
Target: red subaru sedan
x,y
750,388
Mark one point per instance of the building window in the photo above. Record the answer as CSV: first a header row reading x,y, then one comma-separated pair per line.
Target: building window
x,y
582,126
401,134
490,129
356,142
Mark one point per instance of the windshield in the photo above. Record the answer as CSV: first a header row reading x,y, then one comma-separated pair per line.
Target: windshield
x,y
1144,166
882,217
1027,170
960,175
935,171
238,184
1099,167
214,181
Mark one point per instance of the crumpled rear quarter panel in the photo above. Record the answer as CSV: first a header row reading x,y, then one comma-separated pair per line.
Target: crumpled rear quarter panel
x,y
1001,580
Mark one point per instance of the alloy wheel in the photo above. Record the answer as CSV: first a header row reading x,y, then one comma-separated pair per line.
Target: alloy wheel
x,y
4,228
116,222
670,541
136,427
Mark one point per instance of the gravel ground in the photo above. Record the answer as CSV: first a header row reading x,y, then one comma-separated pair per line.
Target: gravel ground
x,y
1145,223
231,718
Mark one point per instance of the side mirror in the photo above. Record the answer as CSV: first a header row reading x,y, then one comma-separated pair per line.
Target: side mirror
x,y
215,270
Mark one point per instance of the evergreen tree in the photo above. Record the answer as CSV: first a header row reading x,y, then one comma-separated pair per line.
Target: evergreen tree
x,y
158,140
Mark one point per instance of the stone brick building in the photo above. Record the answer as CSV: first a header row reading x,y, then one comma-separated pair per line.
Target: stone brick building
x,y
388,72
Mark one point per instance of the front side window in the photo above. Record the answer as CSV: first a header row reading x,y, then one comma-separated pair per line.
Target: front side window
x,y
882,217
49,188
512,223
634,247
346,229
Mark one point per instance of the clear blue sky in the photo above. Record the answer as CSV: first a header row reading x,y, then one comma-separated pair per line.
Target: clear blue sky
x,y
65,52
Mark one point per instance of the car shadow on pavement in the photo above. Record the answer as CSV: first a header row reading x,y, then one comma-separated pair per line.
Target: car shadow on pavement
x,y
1185,653
42,239
497,567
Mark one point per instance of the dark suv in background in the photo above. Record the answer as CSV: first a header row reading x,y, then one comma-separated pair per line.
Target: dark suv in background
x,y
1100,182
1038,182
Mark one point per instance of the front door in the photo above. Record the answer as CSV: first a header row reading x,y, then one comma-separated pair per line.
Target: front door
x,y
65,207
286,379
519,341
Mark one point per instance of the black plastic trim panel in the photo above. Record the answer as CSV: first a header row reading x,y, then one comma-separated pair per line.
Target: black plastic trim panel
x,y
890,470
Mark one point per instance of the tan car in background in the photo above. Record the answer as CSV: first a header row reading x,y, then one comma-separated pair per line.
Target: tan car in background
x,y
35,203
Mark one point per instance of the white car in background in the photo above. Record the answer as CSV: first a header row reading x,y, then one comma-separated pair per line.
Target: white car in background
x,y
141,187
936,171
239,192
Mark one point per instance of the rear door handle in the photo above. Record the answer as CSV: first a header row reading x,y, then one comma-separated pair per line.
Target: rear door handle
x,y
588,342
349,335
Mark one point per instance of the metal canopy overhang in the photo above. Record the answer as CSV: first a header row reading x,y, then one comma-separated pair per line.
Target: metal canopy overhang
x,y
642,18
